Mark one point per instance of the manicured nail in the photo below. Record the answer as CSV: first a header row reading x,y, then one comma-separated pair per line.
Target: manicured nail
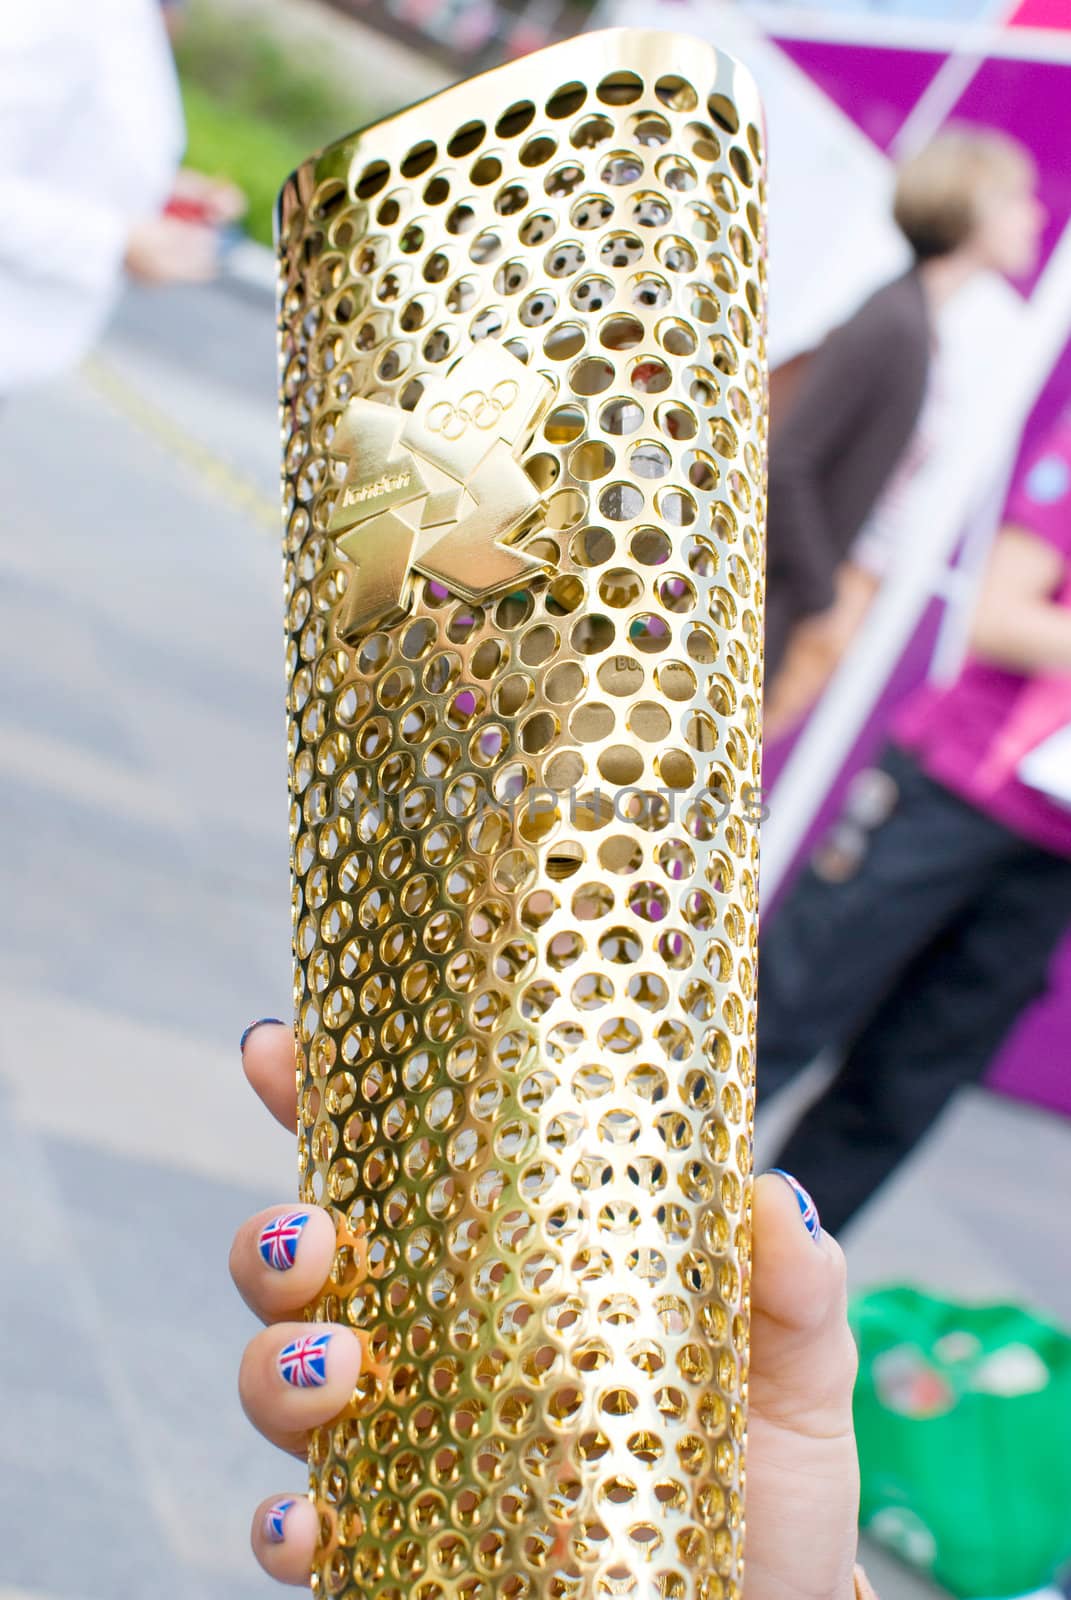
x,y
808,1209
261,1022
275,1521
279,1240
304,1363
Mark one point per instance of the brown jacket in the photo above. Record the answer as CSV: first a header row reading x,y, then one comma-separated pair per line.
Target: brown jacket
x,y
849,422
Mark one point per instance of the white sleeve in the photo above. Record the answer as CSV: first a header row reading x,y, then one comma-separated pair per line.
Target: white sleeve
x,y
63,150
59,234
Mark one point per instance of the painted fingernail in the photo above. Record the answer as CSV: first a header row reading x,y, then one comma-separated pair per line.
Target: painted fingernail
x,y
261,1022
279,1240
304,1363
808,1209
275,1521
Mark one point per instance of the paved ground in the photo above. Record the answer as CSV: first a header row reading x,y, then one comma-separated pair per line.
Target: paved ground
x,y
146,898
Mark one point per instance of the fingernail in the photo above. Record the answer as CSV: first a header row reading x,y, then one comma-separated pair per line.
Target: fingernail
x,y
275,1521
304,1363
808,1209
280,1238
261,1022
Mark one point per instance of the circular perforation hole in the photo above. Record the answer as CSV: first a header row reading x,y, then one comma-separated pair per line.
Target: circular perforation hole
x,y
515,120
373,179
543,470
620,88
467,138
485,247
564,101
621,333
439,344
591,293
486,170
591,376
564,424
538,150
649,291
437,189
621,167
676,93
675,254
591,131
436,267
591,211
538,308
620,415
724,113
563,341
564,259
415,313
391,208
621,502
650,546
461,218
676,337
620,250
591,461
620,587
648,128
510,199
648,459
511,277
592,547
537,228
487,324
723,192
741,165
703,224
419,159
676,173
649,209
650,375
462,295
563,180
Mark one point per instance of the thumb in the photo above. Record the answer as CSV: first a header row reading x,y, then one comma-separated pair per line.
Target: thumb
x,y
803,1358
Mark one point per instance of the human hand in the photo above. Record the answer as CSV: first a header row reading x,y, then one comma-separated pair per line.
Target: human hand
x,y
169,250
200,197
802,1477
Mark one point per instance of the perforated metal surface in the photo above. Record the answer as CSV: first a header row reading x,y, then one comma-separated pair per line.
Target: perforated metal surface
x,y
525,846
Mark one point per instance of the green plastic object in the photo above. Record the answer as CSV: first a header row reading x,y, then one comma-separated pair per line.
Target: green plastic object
x,y
963,1418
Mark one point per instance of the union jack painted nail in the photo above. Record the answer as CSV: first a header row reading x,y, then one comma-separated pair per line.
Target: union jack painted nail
x,y
275,1521
279,1240
808,1209
304,1363
275,1022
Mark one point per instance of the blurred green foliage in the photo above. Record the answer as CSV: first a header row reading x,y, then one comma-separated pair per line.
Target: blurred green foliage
x,y
253,110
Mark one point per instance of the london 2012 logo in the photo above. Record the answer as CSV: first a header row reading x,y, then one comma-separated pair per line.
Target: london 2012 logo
x,y
439,490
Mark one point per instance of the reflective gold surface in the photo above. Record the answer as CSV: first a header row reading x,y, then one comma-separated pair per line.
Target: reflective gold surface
x,y
522,333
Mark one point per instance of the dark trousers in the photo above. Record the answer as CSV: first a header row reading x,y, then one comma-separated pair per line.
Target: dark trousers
x,y
914,967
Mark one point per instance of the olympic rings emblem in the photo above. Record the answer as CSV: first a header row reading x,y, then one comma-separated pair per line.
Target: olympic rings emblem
x,y
480,410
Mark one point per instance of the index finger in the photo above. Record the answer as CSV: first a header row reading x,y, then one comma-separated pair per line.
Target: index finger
x,y
268,1059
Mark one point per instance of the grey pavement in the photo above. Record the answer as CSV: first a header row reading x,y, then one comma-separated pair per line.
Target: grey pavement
x,y
146,903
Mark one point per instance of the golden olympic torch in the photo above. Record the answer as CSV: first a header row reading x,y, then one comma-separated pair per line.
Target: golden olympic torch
x,y
524,420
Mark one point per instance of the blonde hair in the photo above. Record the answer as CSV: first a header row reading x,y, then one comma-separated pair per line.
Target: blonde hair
x,y
938,191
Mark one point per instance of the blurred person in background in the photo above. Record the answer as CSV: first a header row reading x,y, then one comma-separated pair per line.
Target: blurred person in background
x,y
91,134
915,940
860,420
174,16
